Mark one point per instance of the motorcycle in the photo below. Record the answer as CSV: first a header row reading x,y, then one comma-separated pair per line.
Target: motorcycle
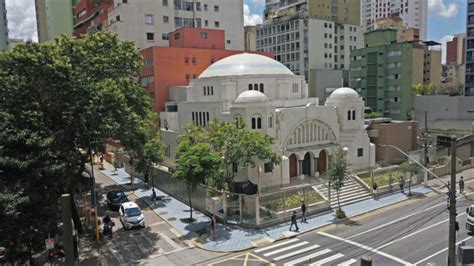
x,y
107,230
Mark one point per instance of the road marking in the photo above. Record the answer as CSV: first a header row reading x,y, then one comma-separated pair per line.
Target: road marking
x,y
381,253
245,259
395,221
291,254
276,245
170,241
285,249
326,260
439,252
347,263
314,255
157,223
416,232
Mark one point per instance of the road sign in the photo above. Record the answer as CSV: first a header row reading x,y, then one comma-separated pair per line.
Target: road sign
x,y
49,243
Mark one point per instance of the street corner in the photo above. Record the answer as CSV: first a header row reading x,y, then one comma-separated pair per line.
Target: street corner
x,y
244,259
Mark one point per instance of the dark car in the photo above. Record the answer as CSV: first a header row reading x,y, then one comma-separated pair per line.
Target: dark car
x,y
115,198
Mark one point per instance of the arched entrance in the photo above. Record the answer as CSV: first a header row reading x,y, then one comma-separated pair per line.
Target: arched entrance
x,y
293,165
307,164
322,161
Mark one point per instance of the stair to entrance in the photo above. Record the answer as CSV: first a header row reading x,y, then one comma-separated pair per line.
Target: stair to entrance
x,y
350,193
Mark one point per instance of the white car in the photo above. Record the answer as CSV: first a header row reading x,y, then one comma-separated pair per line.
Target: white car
x,y
131,215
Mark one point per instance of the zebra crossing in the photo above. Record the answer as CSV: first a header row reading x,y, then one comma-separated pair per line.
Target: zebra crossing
x,y
300,252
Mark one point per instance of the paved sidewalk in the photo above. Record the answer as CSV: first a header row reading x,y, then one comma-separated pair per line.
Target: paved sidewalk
x,y
236,239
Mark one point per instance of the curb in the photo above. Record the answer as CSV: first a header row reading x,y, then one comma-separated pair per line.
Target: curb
x,y
199,246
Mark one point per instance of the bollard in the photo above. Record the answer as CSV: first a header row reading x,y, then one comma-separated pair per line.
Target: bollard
x,y
366,261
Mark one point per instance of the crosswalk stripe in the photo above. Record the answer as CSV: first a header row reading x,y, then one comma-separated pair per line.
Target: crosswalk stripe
x,y
285,249
277,245
291,254
347,263
303,259
333,257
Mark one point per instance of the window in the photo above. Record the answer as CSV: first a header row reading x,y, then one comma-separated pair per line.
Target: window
x,y
203,35
82,13
165,2
176,36
164,36
150,36
395,53
149,19
234,168
148,62
216,24
256,122
270,122
261,88
198,23
294,88
250,87
206,23
267,168
348,115
216,8
198,6
204,90
166,19
360,152
353,115
205,7
255,87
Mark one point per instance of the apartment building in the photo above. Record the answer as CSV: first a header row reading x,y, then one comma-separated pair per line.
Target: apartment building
x,y
54,18
469,81
91,16
3,26
385,70
148,22
250,33
414,13
311,35
456,50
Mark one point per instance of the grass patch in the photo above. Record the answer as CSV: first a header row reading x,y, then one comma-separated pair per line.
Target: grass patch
x,y
384,179
293,201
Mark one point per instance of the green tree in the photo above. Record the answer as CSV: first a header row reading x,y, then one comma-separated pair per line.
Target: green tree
x,y
195,164
55,98
151,154
337,172
412,169
372,115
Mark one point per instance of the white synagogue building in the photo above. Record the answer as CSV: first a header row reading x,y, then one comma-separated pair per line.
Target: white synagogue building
x,y
274,101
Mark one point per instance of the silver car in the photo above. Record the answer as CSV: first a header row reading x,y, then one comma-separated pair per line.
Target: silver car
x,y
131,215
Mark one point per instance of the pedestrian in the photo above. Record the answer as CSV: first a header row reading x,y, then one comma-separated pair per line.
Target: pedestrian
x,y
146,180
153,195
303,212
293,221
101,157
213,226
461,185
456,226
401,184
374,190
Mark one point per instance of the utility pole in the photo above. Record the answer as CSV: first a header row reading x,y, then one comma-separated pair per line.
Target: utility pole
x,y
93,196
67,229
452,207
425,151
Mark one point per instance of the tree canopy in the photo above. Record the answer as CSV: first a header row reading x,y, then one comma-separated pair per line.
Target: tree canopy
x,y
337,171
55,98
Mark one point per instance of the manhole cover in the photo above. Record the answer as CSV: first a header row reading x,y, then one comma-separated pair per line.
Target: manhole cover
x,y
172,219
163,213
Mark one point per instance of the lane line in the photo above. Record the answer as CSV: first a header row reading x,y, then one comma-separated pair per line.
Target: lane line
x,y
314,255
326,260
416,232
291,254
170,241
347,262
285,249
381,253
395,221
441,251
276,245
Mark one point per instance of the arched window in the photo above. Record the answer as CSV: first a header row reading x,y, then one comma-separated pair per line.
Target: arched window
x,y
353,115
208,90
212,90
204,90
259,123
254,123
255,87
261,87
250,87
348,115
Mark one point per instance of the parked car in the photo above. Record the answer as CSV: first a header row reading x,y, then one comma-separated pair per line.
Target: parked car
x,y
470,219
131,215
115,198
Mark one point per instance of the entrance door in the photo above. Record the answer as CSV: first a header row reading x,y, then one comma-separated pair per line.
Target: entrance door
x,y
322,161
307,164
293,166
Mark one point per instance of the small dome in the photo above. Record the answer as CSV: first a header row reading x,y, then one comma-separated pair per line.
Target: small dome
x,y
245,64
251,97
344,93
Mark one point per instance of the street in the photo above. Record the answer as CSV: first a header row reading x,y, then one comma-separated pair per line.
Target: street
x,y
414,232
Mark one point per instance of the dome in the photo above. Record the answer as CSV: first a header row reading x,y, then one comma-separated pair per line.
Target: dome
x,y
245,64
251,97
344,93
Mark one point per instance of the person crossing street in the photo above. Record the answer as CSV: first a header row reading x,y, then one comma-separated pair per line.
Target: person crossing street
x,y
293,221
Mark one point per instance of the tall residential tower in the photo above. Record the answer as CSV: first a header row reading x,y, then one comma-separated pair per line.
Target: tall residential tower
x,y
3,26
53,18
469,85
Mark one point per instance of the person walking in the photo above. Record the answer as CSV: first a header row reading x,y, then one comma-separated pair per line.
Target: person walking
x,y
293,221
213,226
153,196
303,212
401,184
375,191
146,180
461,185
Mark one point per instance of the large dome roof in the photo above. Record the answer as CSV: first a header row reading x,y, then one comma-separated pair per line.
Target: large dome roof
x,y
344,93
251,97
245,64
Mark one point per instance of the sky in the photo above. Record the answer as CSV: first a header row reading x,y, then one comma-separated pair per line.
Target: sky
x,y
445,18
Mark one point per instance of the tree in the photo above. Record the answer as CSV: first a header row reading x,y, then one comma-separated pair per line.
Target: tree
x,y
55,98
411,169
372,115
151,154
337,172
196,162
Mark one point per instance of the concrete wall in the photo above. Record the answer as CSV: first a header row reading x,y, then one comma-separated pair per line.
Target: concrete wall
x,y
321,79
444,107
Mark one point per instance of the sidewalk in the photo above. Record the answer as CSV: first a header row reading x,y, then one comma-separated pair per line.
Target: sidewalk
x,y
229,238
468,175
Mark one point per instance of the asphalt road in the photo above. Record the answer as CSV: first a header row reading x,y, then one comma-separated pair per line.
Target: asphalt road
x,y
412,232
